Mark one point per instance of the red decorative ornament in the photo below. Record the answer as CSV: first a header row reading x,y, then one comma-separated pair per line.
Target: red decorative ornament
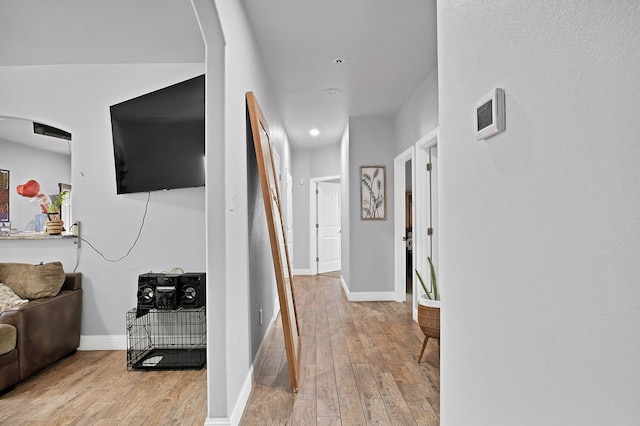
x,y
31,189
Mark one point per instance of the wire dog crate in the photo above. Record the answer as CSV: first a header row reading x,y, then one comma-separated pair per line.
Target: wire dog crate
x,y
167,339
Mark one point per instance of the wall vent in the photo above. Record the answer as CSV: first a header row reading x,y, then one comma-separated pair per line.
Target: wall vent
x,y
43,129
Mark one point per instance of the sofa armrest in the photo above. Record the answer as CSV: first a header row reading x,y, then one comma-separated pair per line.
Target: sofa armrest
x,y
48,329
72,281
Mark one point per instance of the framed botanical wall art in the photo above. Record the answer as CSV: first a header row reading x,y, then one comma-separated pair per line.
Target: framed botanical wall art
x,y
4,195
373,193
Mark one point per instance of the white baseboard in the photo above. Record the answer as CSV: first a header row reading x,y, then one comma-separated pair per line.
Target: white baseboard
x,y
247,386
218,421
119,342
302,272
372,296
368,296
344,286
103,343
245,392
276,311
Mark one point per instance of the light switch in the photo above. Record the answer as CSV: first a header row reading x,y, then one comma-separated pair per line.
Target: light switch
x,y
232,199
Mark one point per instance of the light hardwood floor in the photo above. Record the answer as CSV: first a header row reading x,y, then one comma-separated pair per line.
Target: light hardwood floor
x,y
95,388
358,365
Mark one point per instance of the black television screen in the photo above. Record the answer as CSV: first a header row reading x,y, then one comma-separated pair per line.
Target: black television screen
x,y
158,139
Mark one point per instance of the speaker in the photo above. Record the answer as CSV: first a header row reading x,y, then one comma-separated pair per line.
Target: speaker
x,y
147,291
158,291
192,289
167,291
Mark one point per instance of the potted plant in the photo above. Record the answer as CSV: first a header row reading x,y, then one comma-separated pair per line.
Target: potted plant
x,y
429,309
434,294
54,224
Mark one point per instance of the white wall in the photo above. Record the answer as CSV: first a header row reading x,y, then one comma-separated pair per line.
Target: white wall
x,y
419,115
25,163
301,172
235,66
371,241
309,164
325,161
77,98
539,247
345,183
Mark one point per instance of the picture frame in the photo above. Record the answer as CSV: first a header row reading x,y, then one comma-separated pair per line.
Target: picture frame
x,y
277,236
4,195
373,192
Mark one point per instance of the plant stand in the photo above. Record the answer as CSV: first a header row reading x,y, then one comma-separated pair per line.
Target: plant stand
x,y
429,322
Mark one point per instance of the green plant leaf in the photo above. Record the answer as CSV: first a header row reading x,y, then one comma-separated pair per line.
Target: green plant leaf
x,y
424,286
434,282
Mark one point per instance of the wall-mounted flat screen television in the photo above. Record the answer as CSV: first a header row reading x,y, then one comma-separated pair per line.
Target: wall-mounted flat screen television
x,y
158,139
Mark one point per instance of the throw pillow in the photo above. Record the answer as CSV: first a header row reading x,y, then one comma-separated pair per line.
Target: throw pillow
x,y
33,281
8,299
8,337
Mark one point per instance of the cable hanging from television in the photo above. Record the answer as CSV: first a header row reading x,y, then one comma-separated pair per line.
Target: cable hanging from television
x,y
146,208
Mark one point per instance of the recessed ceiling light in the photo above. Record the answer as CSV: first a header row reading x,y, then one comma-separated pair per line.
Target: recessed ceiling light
x,y
338,61
332,91
314,132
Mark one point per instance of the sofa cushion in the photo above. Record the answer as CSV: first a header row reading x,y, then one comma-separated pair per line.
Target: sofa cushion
x,y
8,299
33,281
7,338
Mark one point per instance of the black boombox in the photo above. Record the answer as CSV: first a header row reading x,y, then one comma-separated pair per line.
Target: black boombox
x,y
171,291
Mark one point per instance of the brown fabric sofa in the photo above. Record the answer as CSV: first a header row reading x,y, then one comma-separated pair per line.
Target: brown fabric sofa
x,y
46,330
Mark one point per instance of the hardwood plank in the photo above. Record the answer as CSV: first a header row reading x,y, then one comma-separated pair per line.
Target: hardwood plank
x,y
327,395
272,361
94,387
324,354
343,371
304,413
359,366
351,411
307,388
308,351
328,421
380,339
356,351
257,406
338,344
396,406
374,409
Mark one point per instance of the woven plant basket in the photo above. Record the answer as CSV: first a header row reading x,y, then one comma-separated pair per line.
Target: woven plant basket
x,y
429,320
54,226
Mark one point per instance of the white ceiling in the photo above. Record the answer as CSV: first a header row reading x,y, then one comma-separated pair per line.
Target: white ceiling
x,y
20,130
389,47
44,32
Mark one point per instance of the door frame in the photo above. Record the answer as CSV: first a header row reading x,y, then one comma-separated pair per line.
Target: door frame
x,y
421,206
399,223
313,243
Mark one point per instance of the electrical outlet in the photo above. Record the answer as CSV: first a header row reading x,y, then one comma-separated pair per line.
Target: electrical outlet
x,y
75,230
260,312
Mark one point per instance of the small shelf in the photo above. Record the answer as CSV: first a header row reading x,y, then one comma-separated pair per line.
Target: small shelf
x,y
39,236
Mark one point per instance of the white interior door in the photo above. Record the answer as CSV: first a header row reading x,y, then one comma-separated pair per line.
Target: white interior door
x,y
328,227
403,167
434,229
425,199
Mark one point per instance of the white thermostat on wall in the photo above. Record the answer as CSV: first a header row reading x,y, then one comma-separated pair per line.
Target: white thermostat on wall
x,y
490,119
